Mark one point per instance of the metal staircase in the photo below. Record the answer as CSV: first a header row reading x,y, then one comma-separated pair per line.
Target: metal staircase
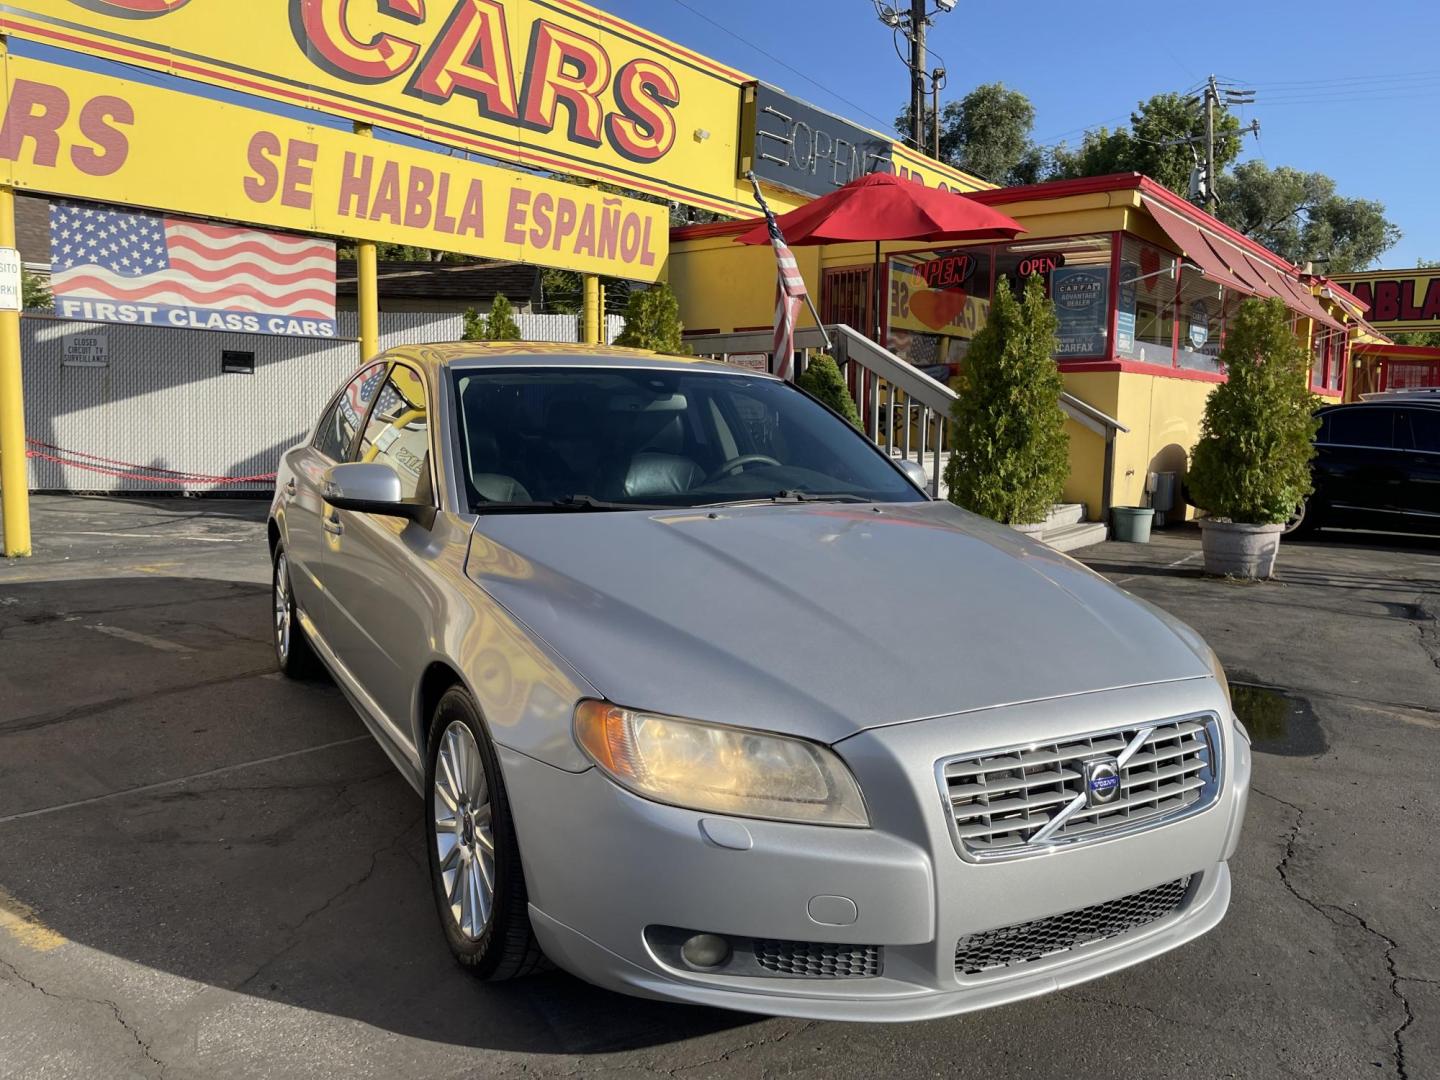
x,y
906,412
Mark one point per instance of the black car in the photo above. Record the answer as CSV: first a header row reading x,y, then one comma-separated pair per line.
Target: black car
x,y
1377,466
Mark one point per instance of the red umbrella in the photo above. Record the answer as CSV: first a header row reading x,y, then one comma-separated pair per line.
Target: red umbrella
x,y
882,206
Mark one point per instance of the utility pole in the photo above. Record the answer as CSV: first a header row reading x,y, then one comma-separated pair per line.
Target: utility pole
x,y
913,23
918,22
1212,97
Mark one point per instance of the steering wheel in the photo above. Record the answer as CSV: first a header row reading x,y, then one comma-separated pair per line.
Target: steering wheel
x,y
739,464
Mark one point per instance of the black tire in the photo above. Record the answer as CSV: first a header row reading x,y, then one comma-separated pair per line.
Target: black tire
x,y
293,654
506,948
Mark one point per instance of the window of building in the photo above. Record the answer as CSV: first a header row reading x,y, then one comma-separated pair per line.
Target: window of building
x,y
1338,353
1201,312
1361,427
1145,309
1076,271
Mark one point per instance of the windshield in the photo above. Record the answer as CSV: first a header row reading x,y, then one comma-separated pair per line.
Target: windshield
x,y
611,438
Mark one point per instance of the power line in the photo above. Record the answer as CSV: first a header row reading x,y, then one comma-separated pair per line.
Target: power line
x,y
886,124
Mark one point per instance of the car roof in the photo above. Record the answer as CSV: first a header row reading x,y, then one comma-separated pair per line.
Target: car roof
x,y
458,355
1394,403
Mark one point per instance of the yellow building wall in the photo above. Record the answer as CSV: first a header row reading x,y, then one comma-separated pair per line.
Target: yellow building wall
x,y
1086,483
1163,415
724,286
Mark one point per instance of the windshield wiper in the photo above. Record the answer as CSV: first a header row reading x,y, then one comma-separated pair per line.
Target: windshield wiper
x,y
793,496
568,504
818,496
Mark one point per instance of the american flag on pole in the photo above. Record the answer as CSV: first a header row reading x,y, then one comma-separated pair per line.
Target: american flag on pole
x,y
789,294
132,266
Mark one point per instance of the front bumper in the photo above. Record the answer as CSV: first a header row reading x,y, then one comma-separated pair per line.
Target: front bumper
x,y
602,865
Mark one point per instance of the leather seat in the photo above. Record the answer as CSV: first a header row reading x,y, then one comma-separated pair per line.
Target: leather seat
x,y
659,468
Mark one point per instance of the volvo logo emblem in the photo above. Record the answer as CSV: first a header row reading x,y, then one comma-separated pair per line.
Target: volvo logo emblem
x,y
1102,781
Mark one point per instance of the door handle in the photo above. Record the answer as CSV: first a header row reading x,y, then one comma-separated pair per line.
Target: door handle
x,y
332,525
290,487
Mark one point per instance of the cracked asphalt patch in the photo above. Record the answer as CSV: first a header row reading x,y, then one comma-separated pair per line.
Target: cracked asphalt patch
x,y
228,878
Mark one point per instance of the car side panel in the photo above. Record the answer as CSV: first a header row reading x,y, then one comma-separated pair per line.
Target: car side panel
x,y
300,511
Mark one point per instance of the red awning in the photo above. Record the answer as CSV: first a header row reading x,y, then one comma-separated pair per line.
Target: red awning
x,y
1296,295
1190,241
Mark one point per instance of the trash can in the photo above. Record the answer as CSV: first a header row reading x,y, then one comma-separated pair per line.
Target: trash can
x,y
1132,523
1162,500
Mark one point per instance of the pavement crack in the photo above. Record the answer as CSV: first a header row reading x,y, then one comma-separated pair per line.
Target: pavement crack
x,y
44,720
141,1043
1329,912
294,933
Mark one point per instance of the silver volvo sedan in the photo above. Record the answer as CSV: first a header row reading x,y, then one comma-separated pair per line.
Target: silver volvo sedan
x,y
709,702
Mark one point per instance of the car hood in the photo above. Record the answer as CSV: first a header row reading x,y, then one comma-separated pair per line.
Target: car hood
x,y
819,620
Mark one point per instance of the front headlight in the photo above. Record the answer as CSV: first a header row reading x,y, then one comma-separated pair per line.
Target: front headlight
x,y
1219,672
719,769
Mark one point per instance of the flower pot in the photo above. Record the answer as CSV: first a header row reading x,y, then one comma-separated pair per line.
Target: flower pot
x,y
1233,549
1132,523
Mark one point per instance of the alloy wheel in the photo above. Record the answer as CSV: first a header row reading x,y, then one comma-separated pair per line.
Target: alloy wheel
x,y
283,616
464,835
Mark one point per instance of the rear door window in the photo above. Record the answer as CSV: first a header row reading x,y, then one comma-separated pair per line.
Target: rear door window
x,y
1423,430
335,433
398,432
1374,428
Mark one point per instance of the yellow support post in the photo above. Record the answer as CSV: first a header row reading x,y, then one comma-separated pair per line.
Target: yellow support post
x,y
367,284
593,316
14,474
602,335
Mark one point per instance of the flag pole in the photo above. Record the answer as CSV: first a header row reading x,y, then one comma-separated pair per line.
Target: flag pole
x,y
809,301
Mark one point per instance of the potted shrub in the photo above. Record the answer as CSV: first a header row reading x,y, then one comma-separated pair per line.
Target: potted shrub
x,y
1251,467
822,379
1009,454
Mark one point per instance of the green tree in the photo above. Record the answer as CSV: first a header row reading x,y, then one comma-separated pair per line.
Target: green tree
x,y
1299,216
500,325
652,321
822,379
35,292
474,326
1252,463
1009,453
1148,145
986,133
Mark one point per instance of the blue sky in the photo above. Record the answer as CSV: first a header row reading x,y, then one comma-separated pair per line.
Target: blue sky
x,y
1352,90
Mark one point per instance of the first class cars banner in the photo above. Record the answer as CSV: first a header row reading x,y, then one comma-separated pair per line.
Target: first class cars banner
x,y
89,136
549,84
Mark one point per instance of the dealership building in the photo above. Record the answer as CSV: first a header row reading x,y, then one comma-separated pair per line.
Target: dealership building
x,y
562,156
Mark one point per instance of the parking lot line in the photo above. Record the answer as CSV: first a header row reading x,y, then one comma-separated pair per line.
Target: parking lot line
x,y
161,785
140,639
19,921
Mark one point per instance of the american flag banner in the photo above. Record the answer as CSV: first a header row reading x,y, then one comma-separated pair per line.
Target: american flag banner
x,y
133,266
789,294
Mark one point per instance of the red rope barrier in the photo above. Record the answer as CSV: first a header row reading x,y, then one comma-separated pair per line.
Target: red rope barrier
x,y
130,471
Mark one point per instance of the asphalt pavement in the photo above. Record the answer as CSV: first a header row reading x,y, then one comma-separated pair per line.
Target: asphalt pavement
x,y
209,871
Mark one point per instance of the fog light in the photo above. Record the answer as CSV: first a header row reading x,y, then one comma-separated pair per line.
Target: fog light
x,y
705,951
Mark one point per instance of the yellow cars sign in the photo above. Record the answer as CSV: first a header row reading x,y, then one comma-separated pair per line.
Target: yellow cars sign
x,y
89,136
549,84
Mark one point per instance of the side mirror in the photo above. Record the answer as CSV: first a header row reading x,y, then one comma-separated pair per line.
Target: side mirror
x,y
371,488
915,473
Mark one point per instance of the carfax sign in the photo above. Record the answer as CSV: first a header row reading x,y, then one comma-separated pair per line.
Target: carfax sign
x,y
555,85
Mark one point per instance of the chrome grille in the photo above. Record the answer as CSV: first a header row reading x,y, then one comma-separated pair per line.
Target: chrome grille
x,y
1024,943
1000,801
818,960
